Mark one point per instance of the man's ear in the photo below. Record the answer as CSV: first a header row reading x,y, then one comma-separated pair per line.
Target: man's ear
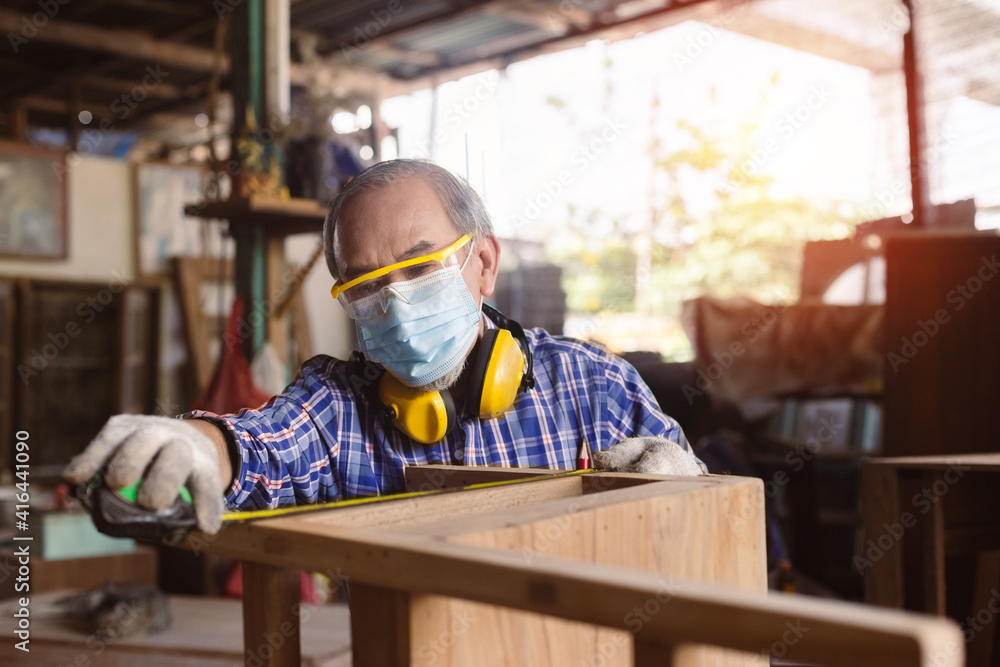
x,y
488,252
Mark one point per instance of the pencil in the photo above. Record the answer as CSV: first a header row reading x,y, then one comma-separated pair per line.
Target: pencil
x,y
583,456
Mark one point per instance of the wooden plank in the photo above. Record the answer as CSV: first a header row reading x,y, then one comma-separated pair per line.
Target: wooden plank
x,y
300,329
380,626
18,122
279,217
445,508
392,628
980,462
271,615
880,500
606,595
189,275
204,632
933,552
140,566
430,477
675,494
627,528
497,571
277,327
131,44
983,645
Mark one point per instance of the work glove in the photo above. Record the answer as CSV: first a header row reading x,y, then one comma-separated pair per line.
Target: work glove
x,y
166,454
650,455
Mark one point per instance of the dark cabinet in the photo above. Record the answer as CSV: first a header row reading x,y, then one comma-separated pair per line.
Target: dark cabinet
x,y
81,352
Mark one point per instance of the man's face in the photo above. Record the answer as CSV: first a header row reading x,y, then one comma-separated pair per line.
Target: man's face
x,y
401,221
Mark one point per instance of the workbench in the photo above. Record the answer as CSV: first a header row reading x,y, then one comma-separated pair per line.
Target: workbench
x,y
579,569
920,511
205,632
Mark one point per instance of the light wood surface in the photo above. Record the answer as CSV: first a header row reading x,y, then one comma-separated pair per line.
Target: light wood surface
x,y
206,632
981,462
646,570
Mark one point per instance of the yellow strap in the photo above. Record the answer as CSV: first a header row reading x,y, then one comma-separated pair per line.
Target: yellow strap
x,y
247,515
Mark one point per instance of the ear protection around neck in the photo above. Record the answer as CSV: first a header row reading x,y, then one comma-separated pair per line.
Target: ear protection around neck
x,y
501,369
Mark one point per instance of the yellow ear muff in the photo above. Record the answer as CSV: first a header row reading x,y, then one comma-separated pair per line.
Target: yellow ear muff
x,y
501,379
425,416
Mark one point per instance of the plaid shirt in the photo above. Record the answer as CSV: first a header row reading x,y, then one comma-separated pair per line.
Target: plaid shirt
x,y
321,440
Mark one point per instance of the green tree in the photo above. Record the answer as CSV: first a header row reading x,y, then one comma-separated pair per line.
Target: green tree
x,y
748,243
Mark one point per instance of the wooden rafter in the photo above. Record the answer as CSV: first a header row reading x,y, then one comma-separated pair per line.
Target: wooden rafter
x,y
131,44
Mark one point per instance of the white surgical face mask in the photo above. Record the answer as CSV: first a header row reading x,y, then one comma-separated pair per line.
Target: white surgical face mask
x,y
426,329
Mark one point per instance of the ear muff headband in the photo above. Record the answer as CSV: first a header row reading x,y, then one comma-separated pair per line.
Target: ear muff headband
x,y
495,377
501,320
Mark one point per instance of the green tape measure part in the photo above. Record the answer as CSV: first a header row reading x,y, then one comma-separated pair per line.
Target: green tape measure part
x,y
129,493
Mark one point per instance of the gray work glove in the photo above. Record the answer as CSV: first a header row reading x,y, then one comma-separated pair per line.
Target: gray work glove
x,y
650,455
179,453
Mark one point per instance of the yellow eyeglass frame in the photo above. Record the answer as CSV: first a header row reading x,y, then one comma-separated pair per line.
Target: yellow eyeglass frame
x,y
338,288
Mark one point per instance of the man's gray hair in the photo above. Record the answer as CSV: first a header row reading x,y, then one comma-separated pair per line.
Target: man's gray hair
x,y
464,206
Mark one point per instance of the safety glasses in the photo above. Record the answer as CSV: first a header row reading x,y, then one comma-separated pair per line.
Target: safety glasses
x,y
405,280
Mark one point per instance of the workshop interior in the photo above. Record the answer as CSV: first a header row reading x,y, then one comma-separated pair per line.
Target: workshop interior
x,y
783,214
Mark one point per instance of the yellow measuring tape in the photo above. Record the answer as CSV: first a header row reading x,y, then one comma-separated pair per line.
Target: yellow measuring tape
x,y
246,515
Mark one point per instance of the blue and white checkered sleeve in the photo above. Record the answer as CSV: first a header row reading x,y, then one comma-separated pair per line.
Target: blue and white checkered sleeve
x,y
285,446
633,409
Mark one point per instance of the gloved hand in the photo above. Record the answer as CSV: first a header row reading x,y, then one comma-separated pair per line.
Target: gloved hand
x,y
650,455
179,453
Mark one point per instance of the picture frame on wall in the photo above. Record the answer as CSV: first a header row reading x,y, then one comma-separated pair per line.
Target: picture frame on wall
x,y
32,202
162,231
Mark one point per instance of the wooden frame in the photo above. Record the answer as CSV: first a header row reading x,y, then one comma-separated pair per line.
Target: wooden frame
x,y
920,511
32,202
603,568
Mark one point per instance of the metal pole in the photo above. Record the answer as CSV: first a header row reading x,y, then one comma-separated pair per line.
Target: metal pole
x,y
915,119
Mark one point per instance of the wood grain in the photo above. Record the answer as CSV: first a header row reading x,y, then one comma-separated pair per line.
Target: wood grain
x,y
573,576
880,498
271,606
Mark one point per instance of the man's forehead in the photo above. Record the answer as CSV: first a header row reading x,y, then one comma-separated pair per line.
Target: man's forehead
x,y
396,222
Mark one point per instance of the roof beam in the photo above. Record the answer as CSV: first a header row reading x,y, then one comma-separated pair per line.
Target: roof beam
x,y
348,52
162,7
59,106
556,19
162,90
131,44
673,11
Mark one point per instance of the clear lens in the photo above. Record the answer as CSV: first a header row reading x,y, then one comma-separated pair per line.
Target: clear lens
x,y
411,284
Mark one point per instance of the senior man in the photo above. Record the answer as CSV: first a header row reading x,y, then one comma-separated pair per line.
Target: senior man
x,y
438,377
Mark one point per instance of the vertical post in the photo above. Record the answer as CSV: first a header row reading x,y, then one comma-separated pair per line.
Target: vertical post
x,y
277,326
883,577
73,138
915,119
18,123
933,552
247,83
987,582
270,616
392,628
